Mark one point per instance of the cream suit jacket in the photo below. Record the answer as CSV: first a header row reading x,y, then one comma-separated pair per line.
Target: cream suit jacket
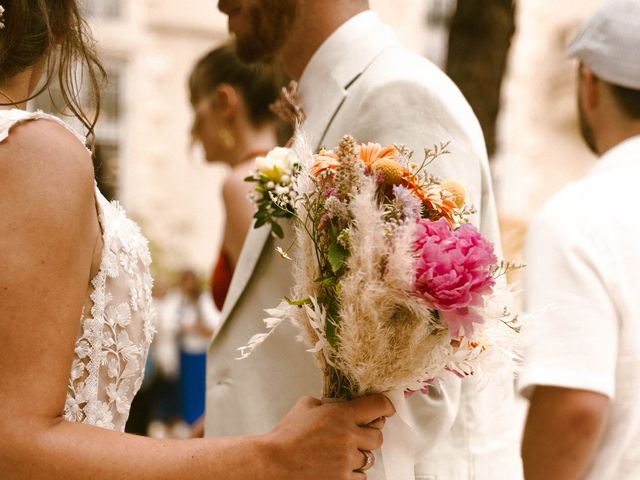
x,y
367,85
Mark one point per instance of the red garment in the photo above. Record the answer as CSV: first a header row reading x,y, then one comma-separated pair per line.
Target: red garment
x,y
221,279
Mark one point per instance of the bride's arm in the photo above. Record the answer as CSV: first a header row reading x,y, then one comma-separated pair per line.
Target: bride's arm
x,y
48,231
312,443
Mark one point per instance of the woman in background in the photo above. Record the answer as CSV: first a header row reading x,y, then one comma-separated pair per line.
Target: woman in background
x,y
234,124
196,319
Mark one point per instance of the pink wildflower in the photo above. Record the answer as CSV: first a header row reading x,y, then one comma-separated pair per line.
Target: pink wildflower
x,y
453,272
330,192
325,221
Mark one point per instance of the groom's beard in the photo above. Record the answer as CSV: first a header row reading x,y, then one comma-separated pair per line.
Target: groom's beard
x,y
268,24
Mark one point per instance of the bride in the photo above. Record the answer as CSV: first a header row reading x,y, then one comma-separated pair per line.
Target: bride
x,y
75,314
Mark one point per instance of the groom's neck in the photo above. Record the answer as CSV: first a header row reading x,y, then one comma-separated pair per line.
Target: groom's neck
x,y
317,20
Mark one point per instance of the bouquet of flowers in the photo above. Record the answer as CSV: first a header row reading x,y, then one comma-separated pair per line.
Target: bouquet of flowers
x,y
393,288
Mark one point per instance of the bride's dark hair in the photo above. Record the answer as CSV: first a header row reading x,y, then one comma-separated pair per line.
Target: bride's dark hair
x,y
55,29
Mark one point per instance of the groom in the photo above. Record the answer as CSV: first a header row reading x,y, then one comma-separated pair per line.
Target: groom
x,y
355,78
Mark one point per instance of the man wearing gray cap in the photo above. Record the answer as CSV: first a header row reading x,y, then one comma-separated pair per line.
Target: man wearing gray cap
x,y
582,371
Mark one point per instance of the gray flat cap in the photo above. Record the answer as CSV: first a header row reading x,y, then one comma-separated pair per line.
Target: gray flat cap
x,y
609,43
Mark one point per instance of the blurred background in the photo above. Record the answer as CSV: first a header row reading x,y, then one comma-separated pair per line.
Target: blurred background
x,y
506,56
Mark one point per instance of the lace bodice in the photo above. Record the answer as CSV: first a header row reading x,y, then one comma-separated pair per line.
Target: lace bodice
x,y
114,338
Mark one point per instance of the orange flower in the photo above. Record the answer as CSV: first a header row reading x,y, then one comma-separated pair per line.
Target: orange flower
x,y
372,152
324,161
435,202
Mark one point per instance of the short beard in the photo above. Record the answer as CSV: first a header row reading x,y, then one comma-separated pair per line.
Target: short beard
x,y
271,22
586,130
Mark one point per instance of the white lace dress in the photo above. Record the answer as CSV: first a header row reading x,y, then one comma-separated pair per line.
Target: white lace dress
x,y
111,348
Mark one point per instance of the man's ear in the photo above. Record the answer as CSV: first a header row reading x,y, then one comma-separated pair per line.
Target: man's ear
x,y
591,85
227,100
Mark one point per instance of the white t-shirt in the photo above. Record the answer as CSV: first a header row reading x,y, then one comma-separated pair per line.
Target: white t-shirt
x,y
582,285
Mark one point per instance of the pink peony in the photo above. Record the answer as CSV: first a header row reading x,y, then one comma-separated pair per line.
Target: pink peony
x,y
453,272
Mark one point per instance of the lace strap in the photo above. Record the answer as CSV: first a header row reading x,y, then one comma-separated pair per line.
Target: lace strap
x,y
9,118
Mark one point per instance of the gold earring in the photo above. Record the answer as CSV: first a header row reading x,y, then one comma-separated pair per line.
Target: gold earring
x,y
227,138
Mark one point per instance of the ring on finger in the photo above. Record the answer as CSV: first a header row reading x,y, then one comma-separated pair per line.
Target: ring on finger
x,y
369,460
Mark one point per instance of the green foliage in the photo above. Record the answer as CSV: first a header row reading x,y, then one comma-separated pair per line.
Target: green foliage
x,y
268,211
337,255
332,324
298,303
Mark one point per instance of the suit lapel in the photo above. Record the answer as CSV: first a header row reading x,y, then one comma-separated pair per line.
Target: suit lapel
x,y
340,61
251,251
315,127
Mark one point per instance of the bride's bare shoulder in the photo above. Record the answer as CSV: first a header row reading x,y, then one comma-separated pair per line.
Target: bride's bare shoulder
x,y
46,178
45,157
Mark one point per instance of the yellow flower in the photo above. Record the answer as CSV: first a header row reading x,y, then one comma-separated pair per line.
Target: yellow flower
x,y
456,190
392,172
